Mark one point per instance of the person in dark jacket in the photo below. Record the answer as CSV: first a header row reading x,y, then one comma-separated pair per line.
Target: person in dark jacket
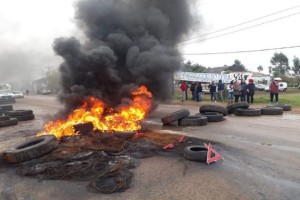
x,y
199,92
243,90
221,90
250,90
193,86
212,89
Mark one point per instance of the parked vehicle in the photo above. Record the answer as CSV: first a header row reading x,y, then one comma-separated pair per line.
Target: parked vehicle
x,y
7,96
260,87
18,94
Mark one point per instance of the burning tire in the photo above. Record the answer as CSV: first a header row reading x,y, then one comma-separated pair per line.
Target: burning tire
x,y
233,107
193,121
212,116
285,107
247,112
175,116
195,153
15,113
8,122
272,111
124,134
212,108
30,149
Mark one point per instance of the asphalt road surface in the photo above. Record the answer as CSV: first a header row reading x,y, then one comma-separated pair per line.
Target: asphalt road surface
x,y
261,160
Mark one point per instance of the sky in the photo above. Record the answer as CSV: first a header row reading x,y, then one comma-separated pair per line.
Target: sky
x,y
29,27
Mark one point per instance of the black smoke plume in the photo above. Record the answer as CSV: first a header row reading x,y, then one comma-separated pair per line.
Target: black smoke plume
x,y
128,43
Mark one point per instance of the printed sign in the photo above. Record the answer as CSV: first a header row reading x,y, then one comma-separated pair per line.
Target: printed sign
x,y
202,77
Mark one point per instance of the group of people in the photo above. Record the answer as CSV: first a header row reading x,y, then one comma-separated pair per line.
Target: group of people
x,y
243,91
236,91
196,89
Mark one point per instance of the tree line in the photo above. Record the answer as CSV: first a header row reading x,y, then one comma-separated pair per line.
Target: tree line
x,y
280,66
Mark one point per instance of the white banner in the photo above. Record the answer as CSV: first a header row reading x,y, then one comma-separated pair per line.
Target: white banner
x,y
202,77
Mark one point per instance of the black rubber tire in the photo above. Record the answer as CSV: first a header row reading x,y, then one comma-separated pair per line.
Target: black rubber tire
x,y
9,122
213,108
285,107
25,117
6,108
193,121
125,134
247,112
212,116
15,113
195,153
30,149
4,118
175,116
233,107
271,111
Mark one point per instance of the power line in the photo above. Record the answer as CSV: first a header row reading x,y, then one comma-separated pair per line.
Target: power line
x,y
246,51
249,27
241,23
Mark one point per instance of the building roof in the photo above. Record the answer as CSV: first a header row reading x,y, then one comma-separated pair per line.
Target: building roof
x,y
216,70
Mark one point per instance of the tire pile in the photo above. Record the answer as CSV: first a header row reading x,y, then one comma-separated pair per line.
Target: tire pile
x,y
11,117
207,113
242,109
213,113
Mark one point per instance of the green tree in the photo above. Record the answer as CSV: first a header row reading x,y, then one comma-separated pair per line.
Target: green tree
x,y
260,68
296,67
281,63
190,67
237,67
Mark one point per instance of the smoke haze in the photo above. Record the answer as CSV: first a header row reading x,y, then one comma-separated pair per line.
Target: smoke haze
x,y
128,43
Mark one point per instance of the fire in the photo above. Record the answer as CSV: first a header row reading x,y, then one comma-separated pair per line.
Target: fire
x,y
122,118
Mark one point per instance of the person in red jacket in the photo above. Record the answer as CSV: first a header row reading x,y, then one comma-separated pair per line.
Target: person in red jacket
x,y
274,90
183,89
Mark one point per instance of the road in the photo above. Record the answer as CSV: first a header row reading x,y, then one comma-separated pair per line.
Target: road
x,y
261,160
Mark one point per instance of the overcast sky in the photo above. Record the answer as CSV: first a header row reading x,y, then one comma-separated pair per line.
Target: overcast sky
x,y
28,28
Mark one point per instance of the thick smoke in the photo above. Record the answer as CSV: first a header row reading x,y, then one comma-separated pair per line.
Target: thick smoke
x,y
129,43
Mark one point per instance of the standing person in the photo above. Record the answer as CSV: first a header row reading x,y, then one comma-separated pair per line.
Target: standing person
x,y
250,91
193,86
212,89
183,89
27,92
221,90
274,90
236,91
230,93
199,91
243,90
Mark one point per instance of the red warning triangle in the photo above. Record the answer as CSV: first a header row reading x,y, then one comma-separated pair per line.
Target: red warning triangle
x,y
209,150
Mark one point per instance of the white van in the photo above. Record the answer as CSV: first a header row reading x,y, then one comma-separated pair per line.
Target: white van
x,y
282,86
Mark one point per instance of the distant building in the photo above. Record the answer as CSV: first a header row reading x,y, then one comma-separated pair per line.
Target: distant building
x,y
40,84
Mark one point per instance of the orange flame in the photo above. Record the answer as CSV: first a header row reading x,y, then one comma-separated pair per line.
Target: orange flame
x,y
123,118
